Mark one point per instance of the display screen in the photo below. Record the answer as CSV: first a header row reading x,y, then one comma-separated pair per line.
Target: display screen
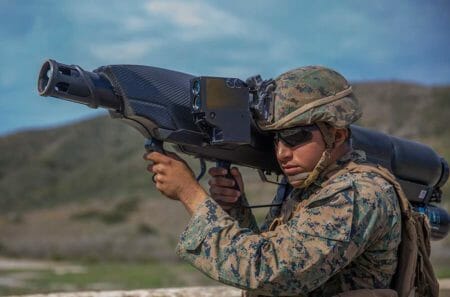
x,y
225,93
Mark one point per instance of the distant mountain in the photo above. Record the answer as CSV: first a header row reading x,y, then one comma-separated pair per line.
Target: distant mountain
x,y
408,110
102,158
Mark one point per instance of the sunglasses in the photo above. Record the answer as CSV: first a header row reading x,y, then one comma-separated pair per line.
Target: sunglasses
x,y
295,136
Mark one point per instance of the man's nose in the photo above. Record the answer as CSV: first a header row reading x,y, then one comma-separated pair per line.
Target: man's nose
x,y
283,152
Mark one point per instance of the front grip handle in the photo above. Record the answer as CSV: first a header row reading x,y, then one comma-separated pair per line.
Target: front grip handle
x,y
154,145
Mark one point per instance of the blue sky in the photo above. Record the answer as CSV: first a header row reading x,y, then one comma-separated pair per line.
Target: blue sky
x,y
364,40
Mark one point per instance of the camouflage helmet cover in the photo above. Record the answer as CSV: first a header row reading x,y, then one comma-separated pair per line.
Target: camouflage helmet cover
x,y
312,94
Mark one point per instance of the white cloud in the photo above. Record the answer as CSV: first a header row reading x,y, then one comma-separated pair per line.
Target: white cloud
x,y
182,24
127,52
196,20
234,71
181,13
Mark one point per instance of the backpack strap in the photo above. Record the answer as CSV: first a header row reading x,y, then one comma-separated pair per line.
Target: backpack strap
x,y
414,275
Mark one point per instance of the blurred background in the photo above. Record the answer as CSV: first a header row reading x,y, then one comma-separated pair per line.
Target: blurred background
x,y
77,208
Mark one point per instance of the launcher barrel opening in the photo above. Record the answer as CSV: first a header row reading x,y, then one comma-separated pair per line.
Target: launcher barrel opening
x,y
71,82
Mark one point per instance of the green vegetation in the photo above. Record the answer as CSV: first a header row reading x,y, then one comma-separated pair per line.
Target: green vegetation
x,y
146,229
102,276
443,272
118,214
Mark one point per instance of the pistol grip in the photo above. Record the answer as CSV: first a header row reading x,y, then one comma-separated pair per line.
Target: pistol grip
x,y
227,166
154,145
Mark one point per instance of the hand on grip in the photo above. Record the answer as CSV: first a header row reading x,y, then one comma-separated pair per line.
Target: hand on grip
x,y
225,187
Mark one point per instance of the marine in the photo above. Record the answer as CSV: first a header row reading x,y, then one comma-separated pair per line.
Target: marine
x,y
337,231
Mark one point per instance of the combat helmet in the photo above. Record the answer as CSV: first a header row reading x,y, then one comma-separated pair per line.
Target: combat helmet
x,y
312,95
307,95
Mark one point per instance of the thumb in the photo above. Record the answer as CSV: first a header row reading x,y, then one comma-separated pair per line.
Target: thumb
x,y
238,177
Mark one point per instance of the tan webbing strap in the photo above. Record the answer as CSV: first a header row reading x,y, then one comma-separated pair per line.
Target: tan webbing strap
x,y
323,163
386,174
280,124
327,135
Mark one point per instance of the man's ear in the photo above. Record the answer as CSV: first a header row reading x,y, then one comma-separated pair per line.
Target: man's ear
x,y
340,136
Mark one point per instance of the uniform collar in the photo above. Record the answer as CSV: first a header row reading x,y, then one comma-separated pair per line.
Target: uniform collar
x,y
352,155
356,156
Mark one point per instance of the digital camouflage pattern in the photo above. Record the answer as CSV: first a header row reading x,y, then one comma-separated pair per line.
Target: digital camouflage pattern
x,y
339,236
305,85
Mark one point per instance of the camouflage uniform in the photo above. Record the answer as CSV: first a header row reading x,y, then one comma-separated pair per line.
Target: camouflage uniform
x,y
340,236
339,233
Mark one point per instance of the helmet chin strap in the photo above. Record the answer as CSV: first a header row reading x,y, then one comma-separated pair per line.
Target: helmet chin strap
x,y
303,180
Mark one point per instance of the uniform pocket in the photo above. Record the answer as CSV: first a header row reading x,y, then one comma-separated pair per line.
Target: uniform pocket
x,y
328,214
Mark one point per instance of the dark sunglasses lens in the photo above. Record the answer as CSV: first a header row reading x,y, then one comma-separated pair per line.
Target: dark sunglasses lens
x,y
294,137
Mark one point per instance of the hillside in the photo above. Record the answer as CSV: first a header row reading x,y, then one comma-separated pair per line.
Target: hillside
x,y
97,159
408,110
82,191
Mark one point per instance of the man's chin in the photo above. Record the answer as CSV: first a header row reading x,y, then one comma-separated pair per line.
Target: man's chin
x,y
297,183
298,180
